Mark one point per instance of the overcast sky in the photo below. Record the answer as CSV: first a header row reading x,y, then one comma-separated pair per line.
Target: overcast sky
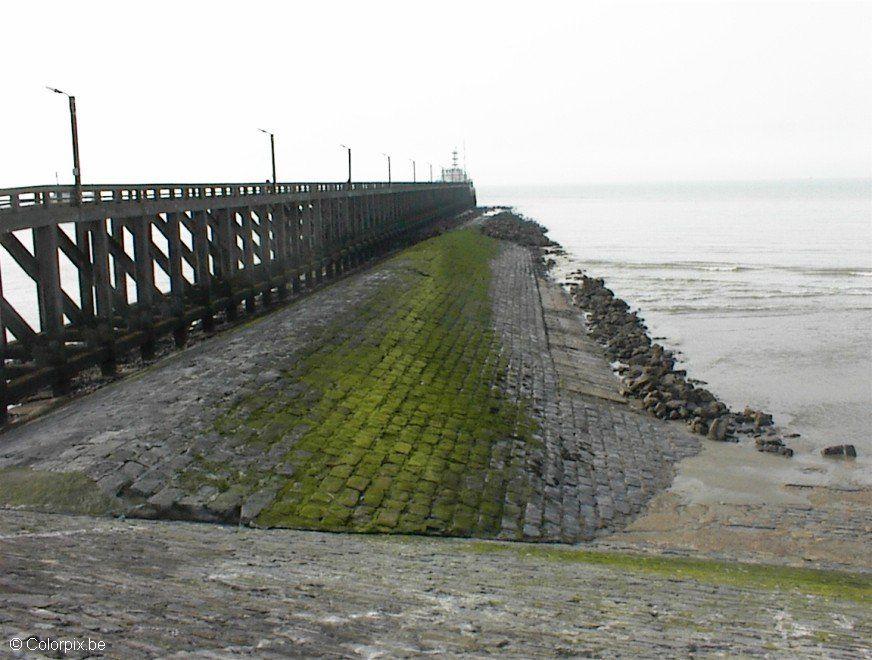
x,y
541,92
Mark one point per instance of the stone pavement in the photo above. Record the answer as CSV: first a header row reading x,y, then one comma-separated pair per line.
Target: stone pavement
x,y
384,402
599,460
376,404
133,437
163,588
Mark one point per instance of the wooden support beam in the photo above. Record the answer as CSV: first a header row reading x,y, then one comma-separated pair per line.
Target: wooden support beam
x,y
50,298
162,226
213,223
103,291
246,231
4,402
264,271
86,275
177,279
199,229
295,244
143,263
280,246
317,240
226,238
48,281
15,324
30,266
121,263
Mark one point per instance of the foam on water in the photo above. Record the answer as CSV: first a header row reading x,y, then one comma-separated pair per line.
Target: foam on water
x,y
766,288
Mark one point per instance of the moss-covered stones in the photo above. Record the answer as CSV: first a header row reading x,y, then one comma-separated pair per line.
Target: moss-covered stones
x,y
59,492
808,581
392,422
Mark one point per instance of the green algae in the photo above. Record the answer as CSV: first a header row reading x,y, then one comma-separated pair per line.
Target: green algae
x,y
61,492
809,581
398,425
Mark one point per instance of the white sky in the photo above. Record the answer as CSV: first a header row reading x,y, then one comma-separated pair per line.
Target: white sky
x,y
542,92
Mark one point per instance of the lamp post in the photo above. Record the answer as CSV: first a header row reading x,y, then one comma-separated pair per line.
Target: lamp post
x,y
431,172
272,147
414,176
349,160
77,170
389,166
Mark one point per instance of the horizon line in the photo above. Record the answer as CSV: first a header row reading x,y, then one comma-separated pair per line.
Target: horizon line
x,y
666,182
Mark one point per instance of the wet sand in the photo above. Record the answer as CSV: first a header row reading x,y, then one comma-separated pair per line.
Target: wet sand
x,y
730,500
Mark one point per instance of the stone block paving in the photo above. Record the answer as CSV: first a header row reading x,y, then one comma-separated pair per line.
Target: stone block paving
x,y
174,589
447,391
408,419
134,438
598,461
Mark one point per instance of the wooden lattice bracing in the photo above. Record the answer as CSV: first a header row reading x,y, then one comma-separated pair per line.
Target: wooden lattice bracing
x,y
146,261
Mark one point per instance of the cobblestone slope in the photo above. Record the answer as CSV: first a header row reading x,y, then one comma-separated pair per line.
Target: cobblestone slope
x,y
446,391
409,432
597,461
163,588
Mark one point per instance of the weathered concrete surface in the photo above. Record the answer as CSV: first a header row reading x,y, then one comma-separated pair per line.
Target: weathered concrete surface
x,y
168,588
377,404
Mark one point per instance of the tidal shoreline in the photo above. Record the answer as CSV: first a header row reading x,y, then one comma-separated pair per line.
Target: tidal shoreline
x,y
646,368
729,500
730,280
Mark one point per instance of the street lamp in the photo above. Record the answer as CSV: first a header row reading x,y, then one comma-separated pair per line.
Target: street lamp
x,y
431,172
414,178
349,160
272,146
389,166
77,170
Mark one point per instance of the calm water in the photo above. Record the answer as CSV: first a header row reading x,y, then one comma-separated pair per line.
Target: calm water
x,y
766,289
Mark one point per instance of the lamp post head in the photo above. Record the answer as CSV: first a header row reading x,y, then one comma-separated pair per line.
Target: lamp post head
x,y
57,91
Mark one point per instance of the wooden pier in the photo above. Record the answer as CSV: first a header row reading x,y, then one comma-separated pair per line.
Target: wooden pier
x,y
155,259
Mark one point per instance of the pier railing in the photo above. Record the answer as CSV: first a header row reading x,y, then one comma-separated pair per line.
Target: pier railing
x,y
123,265
43,196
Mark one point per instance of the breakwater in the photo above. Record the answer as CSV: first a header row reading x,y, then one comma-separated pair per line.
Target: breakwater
x,y
647,369
649,373
119,267
726,278
449,390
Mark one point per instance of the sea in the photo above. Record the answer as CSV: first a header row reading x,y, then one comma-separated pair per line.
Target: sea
x,y
764,290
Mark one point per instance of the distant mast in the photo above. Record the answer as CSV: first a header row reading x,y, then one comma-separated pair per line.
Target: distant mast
x,y
455,173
